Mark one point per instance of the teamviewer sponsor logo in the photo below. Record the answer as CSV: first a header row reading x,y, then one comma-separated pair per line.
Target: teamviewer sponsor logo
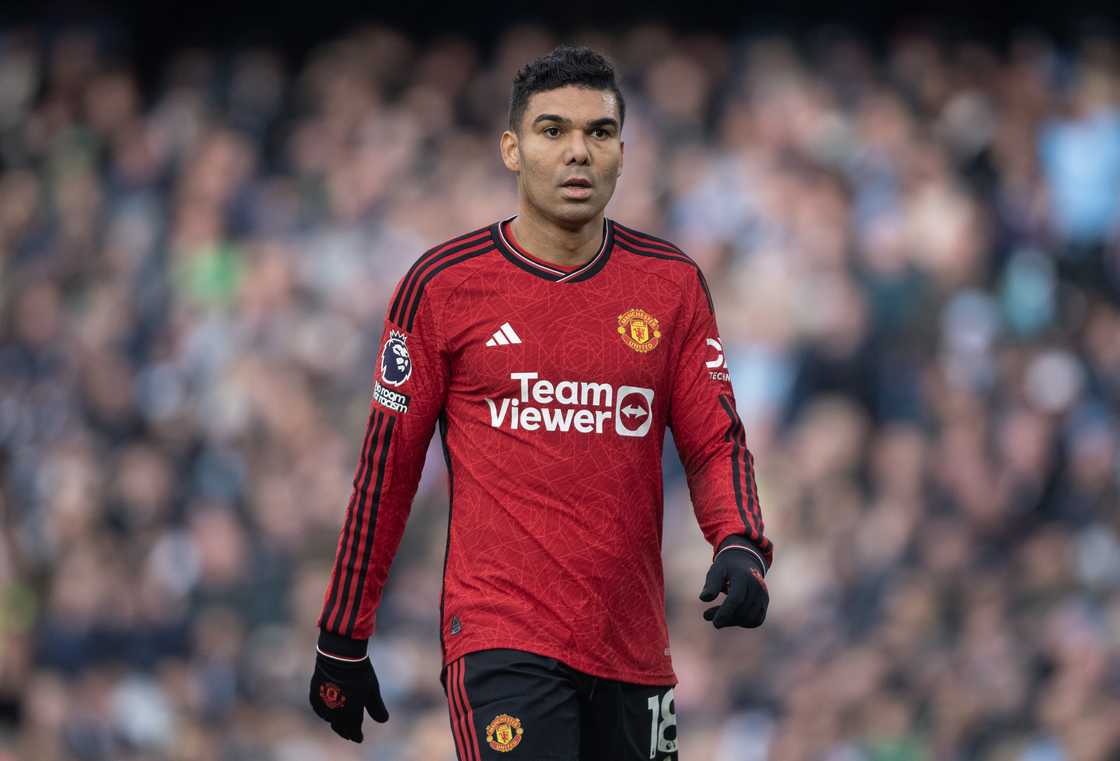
x,y
634,412
573,406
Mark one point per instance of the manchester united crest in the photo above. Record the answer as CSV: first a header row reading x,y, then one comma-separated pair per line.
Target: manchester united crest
x,y
332,696
639,329
504,733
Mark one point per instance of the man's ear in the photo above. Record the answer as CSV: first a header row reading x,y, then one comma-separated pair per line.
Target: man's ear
x,y
511,151
621,156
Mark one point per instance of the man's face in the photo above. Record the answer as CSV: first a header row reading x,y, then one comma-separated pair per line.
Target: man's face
x,y
568,153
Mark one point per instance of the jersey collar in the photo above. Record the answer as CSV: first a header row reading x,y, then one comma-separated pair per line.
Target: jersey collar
x,y
542,269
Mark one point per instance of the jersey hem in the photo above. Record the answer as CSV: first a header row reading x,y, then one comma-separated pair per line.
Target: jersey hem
x,y
664,679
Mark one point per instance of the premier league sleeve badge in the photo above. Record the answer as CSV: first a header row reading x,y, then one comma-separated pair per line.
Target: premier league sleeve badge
x,y
396,365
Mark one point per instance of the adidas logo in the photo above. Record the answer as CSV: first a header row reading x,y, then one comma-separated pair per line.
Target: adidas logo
x,y
504,336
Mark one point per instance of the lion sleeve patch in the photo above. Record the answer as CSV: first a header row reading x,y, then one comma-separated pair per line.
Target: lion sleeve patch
x,y
396,364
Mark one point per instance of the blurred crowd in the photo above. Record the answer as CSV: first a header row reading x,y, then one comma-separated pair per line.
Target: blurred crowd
x,y
915,254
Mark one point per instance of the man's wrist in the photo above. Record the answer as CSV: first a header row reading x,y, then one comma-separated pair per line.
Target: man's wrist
x,y
342,648
736,542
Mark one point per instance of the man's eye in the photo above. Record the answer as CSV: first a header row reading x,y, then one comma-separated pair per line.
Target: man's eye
x,y
552,131
600,133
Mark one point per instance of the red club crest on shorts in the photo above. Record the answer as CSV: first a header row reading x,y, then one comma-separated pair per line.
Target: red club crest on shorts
x,y
504,733
332,695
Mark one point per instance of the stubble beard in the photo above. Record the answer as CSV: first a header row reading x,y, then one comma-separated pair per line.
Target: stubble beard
x,y
569,215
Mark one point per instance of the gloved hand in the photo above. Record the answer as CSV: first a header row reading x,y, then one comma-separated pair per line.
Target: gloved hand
x,y
739,571
341,688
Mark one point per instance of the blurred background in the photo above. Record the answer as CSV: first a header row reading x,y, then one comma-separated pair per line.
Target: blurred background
x,y
912,229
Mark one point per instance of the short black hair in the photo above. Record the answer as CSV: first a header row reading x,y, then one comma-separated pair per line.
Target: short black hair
x,y
564,66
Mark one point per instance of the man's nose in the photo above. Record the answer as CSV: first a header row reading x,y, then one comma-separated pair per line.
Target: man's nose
x,y
577,152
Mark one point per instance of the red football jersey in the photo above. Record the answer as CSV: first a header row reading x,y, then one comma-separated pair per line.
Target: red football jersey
x,y
552,389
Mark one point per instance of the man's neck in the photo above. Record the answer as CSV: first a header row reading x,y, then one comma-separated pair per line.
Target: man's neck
x,y
557,245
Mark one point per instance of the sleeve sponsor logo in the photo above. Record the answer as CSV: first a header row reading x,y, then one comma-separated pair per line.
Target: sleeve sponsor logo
x,y
389,399
569,405
717,366
396,365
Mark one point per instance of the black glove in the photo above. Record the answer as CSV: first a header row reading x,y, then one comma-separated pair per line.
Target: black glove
x,y
737,570
343,685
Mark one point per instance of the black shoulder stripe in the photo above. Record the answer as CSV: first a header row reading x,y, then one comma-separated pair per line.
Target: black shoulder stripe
x,y
647,239
486,247
400,303
650,245
653,254
425,260
683,258
432,265
707,291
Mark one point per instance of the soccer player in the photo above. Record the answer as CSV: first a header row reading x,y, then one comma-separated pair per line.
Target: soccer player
x,y
552,348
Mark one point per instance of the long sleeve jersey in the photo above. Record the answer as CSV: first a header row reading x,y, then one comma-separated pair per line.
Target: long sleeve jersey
x,y
551,389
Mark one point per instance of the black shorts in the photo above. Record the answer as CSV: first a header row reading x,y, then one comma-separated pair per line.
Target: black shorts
x,y
509,704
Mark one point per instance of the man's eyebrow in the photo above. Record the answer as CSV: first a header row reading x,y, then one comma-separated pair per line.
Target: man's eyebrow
x,y
605,121
552,118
